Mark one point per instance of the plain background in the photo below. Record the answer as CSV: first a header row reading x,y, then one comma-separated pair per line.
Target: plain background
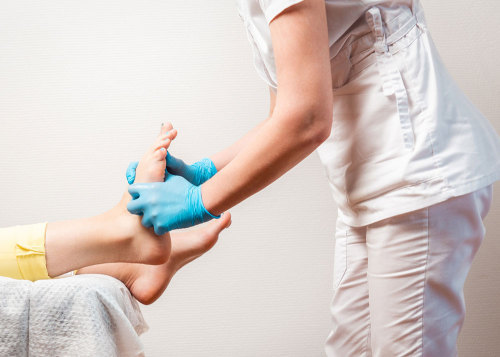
x,y
84,87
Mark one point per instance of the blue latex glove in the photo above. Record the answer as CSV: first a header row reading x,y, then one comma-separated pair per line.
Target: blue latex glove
x,y
131,171
175,203
197,173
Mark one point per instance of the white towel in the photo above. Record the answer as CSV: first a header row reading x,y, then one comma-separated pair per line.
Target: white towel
x,y
85,315
14,316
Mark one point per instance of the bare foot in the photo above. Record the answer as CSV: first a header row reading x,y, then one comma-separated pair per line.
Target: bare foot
x,y
148,282
152,165
116,235
148,247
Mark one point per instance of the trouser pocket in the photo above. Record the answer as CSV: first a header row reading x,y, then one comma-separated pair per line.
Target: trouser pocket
x,y
390,75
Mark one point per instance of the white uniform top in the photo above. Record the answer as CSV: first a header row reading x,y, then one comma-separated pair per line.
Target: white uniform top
x,y
404,136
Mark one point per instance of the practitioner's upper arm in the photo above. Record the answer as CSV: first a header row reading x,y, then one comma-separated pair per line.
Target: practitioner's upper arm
x,y
300,43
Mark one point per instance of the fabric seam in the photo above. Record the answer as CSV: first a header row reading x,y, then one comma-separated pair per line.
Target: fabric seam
x,y
345,260
425,279
430,138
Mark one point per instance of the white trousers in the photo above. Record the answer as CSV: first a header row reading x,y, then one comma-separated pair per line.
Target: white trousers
x,y
399,282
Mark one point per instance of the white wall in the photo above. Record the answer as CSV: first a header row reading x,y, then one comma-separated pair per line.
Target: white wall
x,y
84,86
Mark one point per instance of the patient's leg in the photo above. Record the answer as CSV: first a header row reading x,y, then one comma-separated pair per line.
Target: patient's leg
x,y
147,282
114,236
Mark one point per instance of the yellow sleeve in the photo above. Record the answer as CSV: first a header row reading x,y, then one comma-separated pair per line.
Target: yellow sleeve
x,y
22,252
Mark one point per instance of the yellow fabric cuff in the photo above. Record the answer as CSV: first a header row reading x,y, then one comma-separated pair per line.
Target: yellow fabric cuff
x,y
30,251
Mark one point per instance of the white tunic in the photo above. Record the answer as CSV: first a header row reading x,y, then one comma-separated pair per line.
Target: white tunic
x,y
404,136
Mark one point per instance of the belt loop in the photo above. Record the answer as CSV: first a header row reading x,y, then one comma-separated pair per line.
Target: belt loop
x,y
392,82
419,15
374,19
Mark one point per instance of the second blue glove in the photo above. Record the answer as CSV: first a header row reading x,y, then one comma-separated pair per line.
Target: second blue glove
x,y
197,173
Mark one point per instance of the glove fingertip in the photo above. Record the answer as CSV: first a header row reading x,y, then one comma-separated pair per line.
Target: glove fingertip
x,y
134,208
146,221
131,172
133,191
159,230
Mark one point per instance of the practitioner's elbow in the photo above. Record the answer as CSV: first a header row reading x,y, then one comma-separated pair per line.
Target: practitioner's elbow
x,y
316,124
324,127
324,118
308,119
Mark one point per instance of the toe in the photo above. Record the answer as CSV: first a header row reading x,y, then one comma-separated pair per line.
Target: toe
x,y
227,220
160,154
166,128
218,225
210,233
163,141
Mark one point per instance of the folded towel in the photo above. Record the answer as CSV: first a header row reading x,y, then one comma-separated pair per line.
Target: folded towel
x,y
14,316
84,315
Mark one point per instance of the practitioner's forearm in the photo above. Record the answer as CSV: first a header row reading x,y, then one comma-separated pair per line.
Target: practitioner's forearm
x,y
301,119
279,144
224,157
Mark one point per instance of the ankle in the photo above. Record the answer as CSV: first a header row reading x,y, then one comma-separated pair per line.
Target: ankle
x,y
142,243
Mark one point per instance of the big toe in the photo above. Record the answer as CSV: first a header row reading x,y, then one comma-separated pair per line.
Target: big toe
x,y
165,127
218,225
209,233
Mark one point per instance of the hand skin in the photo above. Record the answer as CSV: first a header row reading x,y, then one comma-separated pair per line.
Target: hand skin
x,y
300,120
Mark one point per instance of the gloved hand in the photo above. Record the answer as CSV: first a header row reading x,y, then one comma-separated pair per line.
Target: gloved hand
x,y
175,203
197,173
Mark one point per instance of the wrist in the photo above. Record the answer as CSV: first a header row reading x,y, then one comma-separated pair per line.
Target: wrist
x,y
218,165
206,169
207,201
